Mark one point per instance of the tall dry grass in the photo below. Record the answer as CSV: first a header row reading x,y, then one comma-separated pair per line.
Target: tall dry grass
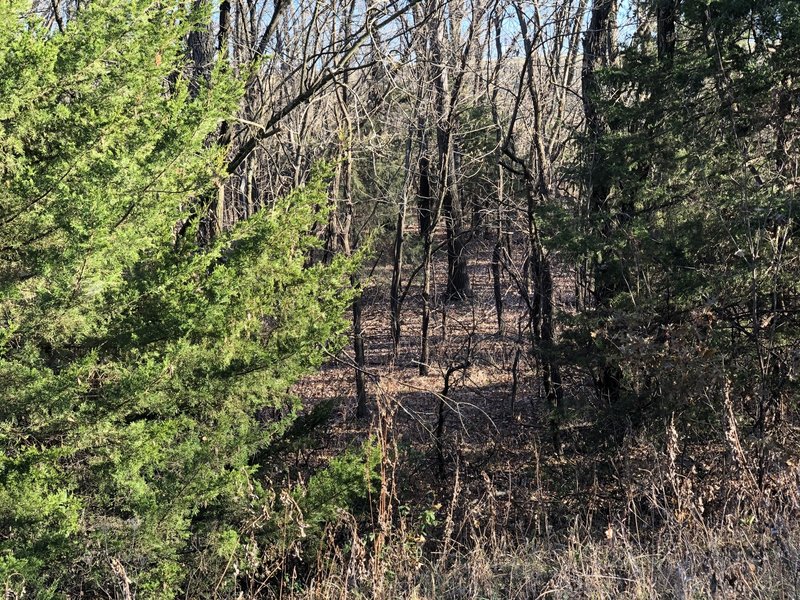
x,y
674,535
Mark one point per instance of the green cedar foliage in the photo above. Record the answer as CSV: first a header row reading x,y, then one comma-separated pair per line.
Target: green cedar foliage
x,y
700,228
133,365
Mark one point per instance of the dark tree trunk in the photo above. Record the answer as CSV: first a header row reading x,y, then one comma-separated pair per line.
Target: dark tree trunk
x,y
666,15
347,247
425,353
223,135
497,287
542,326
498,251
426,231
395,301
424,198
598,52
211,207
201,55
458,284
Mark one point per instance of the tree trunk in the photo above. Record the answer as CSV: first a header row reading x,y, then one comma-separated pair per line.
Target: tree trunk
x,y
598,52
458,285
542,322
223,135
497,286
537,184
395,300
200,55
666,15
426,231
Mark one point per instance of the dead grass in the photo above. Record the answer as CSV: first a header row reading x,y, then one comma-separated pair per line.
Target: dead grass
x,y
742,562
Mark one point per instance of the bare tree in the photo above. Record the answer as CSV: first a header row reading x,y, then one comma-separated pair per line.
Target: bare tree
x,y
533,119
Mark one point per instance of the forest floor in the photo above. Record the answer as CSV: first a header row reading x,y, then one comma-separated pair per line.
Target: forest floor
x,y
488,431
589,521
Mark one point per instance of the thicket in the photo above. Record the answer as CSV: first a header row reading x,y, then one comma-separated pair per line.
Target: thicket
x,y
587,205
